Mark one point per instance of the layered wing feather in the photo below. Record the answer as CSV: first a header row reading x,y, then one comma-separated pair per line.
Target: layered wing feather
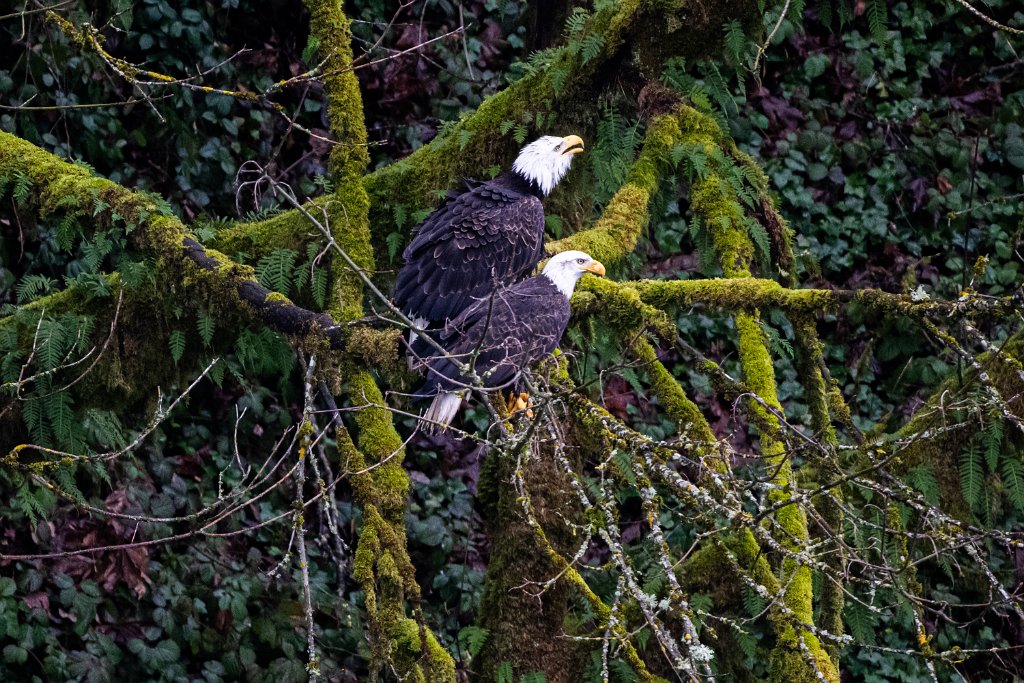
x,y
483,238
500,336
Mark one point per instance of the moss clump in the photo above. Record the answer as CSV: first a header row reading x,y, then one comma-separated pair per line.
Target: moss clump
x,y
620,306
277,297
434,664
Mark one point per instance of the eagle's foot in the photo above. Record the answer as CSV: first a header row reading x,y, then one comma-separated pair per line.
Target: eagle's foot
x,y
520,402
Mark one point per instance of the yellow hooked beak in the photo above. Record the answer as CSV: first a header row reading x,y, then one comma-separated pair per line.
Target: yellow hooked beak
x,y
573,144
595,267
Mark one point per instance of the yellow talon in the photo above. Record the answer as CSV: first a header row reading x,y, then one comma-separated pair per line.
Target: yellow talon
x,y
519,403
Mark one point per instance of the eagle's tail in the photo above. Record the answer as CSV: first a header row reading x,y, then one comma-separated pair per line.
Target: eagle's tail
x,y
442,410
417,349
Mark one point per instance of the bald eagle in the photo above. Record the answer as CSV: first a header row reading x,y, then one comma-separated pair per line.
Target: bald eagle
x,y
500,336
487,235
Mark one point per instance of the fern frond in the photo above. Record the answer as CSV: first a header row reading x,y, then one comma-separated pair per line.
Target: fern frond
x,y
22,189
992,440
1013,480
274,271
591,47
922,478
205,326
861,622
33,286
176,342
736,43
878,21
972,476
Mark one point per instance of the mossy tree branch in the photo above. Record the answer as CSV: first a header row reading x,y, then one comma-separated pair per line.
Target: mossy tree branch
x,y
59,186
383,567
798,654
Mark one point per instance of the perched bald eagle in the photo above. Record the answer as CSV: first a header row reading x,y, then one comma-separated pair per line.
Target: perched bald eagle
x,y
488,235
504,333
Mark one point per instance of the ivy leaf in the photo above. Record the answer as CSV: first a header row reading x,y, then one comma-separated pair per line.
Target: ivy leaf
x,y
15,654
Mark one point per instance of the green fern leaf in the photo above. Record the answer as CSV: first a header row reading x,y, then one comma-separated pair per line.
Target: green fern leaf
x,y
878,21
472,639
752,601
591,47
759,236
22,187
825,12
65,478
922,478
205,325
177,345
32,413
972,476
503,674
519,134
53,344
274,271
747,643
394,241
34,503
320,287
736,43
32,287
577,21
861,622
62,419
309,52
68,229
558,76
992,440
1013,480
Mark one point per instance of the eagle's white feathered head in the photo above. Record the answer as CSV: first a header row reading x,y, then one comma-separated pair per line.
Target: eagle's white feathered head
x,y
546,160
566,268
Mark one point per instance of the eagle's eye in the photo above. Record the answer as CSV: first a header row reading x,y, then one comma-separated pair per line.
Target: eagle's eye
x,y
580,261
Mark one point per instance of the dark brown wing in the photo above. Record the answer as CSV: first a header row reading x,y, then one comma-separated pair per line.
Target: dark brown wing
x,y
486,237
507,332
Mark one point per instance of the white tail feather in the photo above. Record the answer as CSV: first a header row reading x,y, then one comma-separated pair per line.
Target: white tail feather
x,y
410,359
442,410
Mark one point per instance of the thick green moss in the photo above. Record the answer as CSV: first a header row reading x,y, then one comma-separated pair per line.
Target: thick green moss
x,y
735,294
620,307
348,212
433,665
684,412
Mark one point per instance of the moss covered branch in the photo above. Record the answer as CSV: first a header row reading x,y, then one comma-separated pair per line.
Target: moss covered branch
x,y
60,187
383,567
798,655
